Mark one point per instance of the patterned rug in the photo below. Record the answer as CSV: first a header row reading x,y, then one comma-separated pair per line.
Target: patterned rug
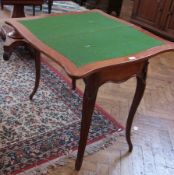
x,y
44,131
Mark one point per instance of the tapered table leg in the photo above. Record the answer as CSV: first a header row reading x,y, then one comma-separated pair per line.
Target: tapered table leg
x,y
89,99
37,68
141,85
50,4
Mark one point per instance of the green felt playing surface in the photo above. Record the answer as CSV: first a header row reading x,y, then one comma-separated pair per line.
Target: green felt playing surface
x,y
89,37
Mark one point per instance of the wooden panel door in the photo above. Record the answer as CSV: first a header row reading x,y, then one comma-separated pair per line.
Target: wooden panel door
x,y
148,12
169,26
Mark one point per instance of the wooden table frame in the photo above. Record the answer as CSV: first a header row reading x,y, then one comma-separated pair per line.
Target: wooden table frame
x,y
94,75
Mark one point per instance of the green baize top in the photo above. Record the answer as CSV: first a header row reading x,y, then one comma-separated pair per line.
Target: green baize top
x,y
89,37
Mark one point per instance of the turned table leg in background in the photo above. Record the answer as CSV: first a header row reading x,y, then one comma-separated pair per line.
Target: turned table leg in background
x,y
114,5
50,4
18,11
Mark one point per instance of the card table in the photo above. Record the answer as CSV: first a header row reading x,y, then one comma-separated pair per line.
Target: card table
x,y
92,46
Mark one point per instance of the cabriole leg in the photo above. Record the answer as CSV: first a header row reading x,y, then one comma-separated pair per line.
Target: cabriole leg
x,y
89,99
141,84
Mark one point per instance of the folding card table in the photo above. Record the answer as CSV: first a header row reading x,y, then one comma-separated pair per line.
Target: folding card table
x,y
92,46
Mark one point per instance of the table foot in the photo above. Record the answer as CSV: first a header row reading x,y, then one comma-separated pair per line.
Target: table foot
x,y
6,56
89,99
141,84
